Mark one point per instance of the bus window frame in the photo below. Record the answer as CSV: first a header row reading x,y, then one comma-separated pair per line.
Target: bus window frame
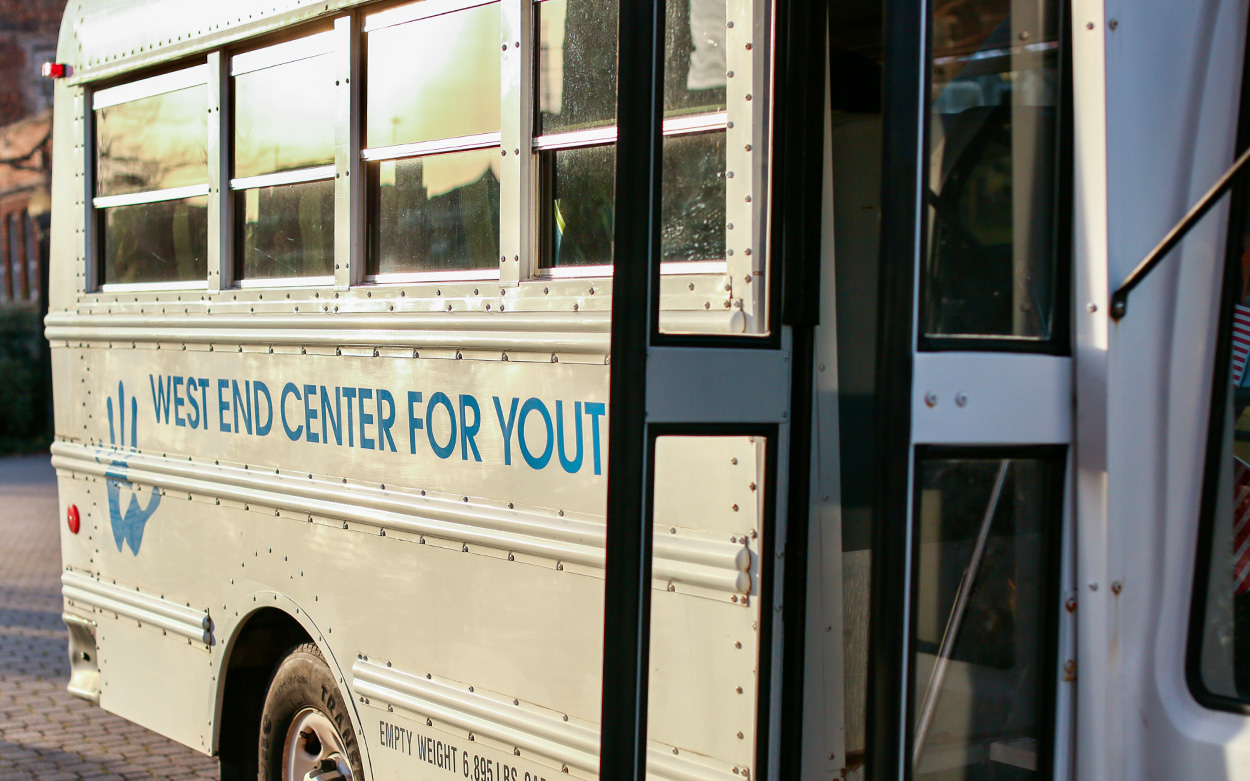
x,y
341,35
184,76
1059,342
396,16
603,136
323,43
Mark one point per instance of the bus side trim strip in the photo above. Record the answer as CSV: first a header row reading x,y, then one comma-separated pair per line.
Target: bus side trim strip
x,y
89,592
719,566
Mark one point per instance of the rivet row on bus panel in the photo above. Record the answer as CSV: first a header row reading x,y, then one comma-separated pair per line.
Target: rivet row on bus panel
x,y
684,292
596,355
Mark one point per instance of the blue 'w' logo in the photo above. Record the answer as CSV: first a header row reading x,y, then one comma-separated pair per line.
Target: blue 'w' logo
x,y
127,526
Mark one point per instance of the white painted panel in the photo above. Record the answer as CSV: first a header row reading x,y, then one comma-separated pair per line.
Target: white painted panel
x,y
166,691
991,398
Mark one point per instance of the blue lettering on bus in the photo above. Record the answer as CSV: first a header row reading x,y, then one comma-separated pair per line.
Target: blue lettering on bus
x,y
289,389
572,466
415,423
331,420
469,430
160,396
506,427
260,389
242,405
178,402
595,409
439,399
367,416
310,413
350,395
535,462
194,404
386,419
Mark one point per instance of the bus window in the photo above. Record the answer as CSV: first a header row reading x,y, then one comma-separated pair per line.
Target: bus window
x,y
987,530
151,139
990,267
576,130
284,160
1222,609
432,125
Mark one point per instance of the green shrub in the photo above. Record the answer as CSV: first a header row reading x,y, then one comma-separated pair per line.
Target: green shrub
x,y
26,402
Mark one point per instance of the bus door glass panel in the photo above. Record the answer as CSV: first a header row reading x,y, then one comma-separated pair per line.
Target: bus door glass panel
x,y
284,104
151,158
1222,603
575,135
704,688
992,201
432,131
985,530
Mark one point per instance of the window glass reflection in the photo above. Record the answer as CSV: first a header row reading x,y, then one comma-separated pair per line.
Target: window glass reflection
x,y
435,213
694,56
286,231
165,241
434,78
984,616
692,198
576,64
1225,652
579,187
577,48
579,190
990,268
153,143
284,117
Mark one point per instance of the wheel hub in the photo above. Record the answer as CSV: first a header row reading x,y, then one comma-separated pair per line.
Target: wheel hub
x,y
314,751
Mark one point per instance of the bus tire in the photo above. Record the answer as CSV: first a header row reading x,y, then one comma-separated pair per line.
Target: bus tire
x,y
305,724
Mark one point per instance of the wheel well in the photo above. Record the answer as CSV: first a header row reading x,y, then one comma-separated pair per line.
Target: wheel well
x,y
258,646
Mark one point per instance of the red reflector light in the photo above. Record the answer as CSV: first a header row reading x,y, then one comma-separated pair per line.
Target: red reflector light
x,y
55,70
71,518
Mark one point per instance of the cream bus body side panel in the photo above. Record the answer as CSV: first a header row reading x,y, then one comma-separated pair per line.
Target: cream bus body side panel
x,y
1173,74
491,579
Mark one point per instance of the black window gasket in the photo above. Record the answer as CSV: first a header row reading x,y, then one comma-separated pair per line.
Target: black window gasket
x,y
1213,462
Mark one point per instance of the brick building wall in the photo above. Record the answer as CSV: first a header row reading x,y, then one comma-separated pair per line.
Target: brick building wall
x,y
28,34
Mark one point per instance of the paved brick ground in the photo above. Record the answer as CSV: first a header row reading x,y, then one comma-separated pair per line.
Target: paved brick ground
x,y
46,734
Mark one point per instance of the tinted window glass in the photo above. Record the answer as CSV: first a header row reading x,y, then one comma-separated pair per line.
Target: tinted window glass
x,y
284,117
984,613
576,64
165,241
286,231
1224,619
153,143
990,266
577,61
580,191
434,78
435,213
694,56
693,198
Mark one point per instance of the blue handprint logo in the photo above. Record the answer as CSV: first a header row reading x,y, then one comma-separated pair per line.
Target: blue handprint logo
x,y
127,526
